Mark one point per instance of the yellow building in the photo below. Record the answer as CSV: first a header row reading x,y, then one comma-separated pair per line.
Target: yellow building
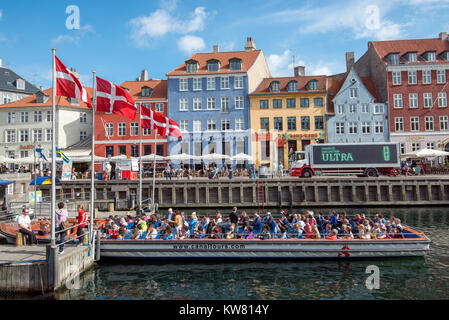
x,y
286,115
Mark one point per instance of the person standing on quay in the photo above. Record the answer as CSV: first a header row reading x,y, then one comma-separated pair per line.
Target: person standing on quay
x,y
60,217
82,218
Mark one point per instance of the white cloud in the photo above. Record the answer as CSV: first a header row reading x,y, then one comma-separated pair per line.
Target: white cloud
x,y
162,22
281,65
190,44
64,38
75,36
1,14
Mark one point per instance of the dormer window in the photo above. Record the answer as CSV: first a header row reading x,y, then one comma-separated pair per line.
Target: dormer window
x,y
431,56
146,92
274,86
292,86
235,64
41,97
20,84
191,66
394,58
213,65
412,57
73,101
445,55
312,85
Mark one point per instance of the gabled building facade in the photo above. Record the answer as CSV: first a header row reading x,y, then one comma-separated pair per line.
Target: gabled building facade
x,y
358,115
13,87
208,98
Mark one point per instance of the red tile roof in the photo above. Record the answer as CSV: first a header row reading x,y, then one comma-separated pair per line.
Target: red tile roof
x,y
30,101
264,87
135,89
248,58
334,85
384,48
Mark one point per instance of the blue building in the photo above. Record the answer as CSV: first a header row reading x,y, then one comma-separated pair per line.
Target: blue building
x,y
358,115
208,98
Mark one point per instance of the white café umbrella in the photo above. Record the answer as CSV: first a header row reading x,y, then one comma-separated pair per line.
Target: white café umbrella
x,y
242,157
214,156
87,159
182,157
151,157
426,153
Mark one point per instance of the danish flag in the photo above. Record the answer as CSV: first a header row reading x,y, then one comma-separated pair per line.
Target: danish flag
x,y
68,85
114,99
159,122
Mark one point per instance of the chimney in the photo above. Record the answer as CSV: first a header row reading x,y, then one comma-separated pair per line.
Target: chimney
x,y
41,88
216,48
349,60
144,75
300,71
443,36
250,45
75,72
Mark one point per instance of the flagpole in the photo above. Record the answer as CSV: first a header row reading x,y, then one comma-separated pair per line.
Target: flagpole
x,y
154,162
53,153
140,160
35,190
92,160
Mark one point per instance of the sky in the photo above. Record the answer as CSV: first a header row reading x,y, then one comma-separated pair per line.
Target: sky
x,y
119,39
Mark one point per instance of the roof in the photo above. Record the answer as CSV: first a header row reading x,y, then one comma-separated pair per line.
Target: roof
x,y
369,85
248,58
135,88
8,82
384,48
30,101
334,85
83,144
264,87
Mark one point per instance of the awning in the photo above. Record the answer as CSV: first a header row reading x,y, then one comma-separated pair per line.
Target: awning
x,y
3,182
43,181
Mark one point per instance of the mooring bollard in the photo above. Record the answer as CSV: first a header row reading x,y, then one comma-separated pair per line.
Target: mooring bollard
x,y
97,246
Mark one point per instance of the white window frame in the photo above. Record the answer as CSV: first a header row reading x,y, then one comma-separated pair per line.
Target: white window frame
x,y
224,83
353,93
412,77
211,83
83,135
442,99
37,116
414,124
109,129
429,123
397,101
366,127
211,125
352,128
24,117
37,135
365,108
444,123
183,84
197,84
428,99
134,129
159,107
11,117
211,103
399,124
183,104
49,115
238,82
352,108
239,102
379,127
339,128
416,146
340,109
24,135
197,103
197,125
441,76
379,109
48,135
184,125
239,124
397,78
83,117
225,122
413,101
430,145
121,129
225,105
427,76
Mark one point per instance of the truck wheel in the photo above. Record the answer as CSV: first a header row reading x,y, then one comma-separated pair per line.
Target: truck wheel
x,y
371,172
307,173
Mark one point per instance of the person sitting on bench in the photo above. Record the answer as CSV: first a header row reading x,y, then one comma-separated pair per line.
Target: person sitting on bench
x,y
24,224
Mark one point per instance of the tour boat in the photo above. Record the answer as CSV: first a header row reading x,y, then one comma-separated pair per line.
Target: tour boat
x,y
413,244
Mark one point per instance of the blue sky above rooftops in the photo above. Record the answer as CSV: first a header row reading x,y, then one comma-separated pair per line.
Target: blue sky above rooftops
x,y
118,39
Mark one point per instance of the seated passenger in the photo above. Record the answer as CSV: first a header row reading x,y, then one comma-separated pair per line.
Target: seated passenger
x,y
151,233
231,233
184,233
375,231
316,232
199,233
333,235
383,233
297,232
265,234
193,224
282,232
113,232
308,231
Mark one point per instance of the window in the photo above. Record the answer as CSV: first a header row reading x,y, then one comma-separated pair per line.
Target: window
x,y
399,124
122,129
239,104
277,103
238,82
365,108
197,125
441,76
211,125
37,135
353,93
225,124
160,150
414,123
351,108
224,82
318,102
213,66
429,123
378,127
210,83
265,124
397,100
196,83
134,128
37,116
83,117
159,107
312,85
48,134
239,124
394,58
211,103
277,123
225,104
235,64
184,125
83,135
442,99
352,127
412,57
416,146
23,135
146,92
430,145
146,132
304,102
339,127
444,123
305,123
292,86
340,109
431,56
319,123
24,117
402,148
366,127
263,104
379,109
191,66
20,84
428,100
183,104
183,85
274,86
412,79
11,117
49,116
10,136
413,100
122,150
134,151
10,188
109,129
196,103
291,103
291,123
426,77
23,153
397,79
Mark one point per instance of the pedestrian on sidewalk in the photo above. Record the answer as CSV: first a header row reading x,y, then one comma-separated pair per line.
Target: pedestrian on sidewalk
x,y
60,219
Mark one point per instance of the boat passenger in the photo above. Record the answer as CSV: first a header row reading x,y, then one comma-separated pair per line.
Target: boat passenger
x,y
123,222
169,233
383,233
388,226
333,219
184,233
319,220
327,230
308,231
271,223
113,232
375,231
219,219
333,235
257,224
364,233
346,232
193,223
249,233
233,216
316,233
297,232
199,233
178,222
265,234
151,233
244,219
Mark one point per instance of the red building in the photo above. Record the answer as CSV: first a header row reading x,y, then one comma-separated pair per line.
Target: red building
x,y
117,135
412,75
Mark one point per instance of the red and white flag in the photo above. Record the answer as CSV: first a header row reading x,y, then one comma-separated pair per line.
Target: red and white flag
x,y
173,129
114,99
68,85
153,120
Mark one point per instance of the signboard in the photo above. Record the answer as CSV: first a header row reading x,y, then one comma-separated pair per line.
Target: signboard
x,y
66,171
134,165
350,155
39,196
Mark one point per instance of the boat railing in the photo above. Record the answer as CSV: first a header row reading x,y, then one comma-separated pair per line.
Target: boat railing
x,y
71,238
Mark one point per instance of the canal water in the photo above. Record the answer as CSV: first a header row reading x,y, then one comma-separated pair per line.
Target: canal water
x,y
400,278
